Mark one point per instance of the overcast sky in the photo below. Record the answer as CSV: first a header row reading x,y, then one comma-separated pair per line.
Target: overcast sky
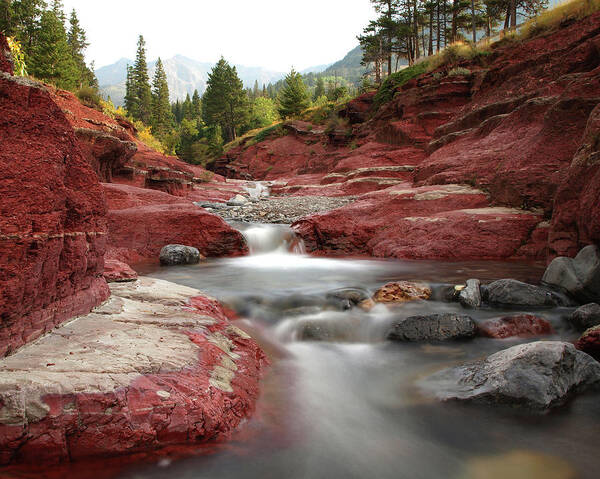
x,y
274,34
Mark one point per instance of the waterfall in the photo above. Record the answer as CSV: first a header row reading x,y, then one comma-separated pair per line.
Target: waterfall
x,y
268,238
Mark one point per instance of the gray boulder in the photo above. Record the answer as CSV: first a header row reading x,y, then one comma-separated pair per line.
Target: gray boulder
x,y
174,254
579,276
433,327
538,375
510,292
237,200
586,316
353,295
470,296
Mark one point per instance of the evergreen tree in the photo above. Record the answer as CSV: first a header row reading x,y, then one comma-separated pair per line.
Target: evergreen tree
x,y
320,88
51,58
26,16
7,18
130,96
196,105
59,10
162,117
140,84
293,98
255,90
225,102
78,43
187,109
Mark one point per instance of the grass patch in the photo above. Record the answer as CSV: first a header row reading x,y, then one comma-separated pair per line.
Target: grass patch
x,y
558,16
391,83
459,71
89,97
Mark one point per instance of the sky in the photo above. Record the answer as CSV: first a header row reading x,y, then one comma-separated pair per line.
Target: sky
x,y
273,34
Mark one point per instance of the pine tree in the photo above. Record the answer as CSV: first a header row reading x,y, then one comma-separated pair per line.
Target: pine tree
x,y
293,98
140,85
225,102
78,43
26,16
59,10
196,105
320,88
130,96
255,90
162,118
187,110
7,20
51,58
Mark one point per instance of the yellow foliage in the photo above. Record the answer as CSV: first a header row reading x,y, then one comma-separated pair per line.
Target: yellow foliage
x,y
145,136
18,56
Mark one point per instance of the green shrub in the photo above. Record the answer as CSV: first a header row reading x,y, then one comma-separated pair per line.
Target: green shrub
x,y
459,71
391,83
89,97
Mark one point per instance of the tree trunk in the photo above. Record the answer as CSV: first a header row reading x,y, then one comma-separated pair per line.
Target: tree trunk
x,y
439,29
513,13
473,20
430,49
416,30
454,25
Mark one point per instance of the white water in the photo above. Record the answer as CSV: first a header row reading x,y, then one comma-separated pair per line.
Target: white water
x,y
272,239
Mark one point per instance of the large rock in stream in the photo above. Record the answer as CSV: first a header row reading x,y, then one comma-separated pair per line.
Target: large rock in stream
x,y
579,276
510,292
538,375
155,365
433,327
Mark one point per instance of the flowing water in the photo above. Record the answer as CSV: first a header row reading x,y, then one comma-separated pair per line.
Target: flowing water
x,y
339,401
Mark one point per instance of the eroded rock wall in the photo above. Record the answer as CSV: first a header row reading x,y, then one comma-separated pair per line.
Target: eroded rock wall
x,y
52,217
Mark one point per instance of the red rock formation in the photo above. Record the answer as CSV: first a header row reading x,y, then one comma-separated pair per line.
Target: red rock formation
x,y
118,272
6,64
142,221
522,325
510,127
171,376
576,218
589,342
52,217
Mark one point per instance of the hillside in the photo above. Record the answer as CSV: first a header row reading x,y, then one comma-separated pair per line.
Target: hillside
x,y
456,155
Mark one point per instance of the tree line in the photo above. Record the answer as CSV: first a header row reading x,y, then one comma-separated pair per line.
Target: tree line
x,y
198,127
414,28
52,44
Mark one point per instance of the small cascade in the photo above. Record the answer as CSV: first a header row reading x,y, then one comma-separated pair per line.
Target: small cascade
x,y
257,190
269,238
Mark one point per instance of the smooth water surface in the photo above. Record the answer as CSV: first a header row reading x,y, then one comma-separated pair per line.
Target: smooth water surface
x,y
341,402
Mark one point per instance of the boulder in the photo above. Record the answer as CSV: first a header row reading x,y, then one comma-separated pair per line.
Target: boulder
x,y
174,254
522,325
237,200
147,369
589,342
510,292
470,296
538,375
401,292
579,276
354,295
433,327
52,218
586,316
118,272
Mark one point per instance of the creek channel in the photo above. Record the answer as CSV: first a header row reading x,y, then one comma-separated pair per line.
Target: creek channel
x,y
341,401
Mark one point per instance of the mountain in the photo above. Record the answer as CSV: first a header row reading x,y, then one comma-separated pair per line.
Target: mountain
x,y
184,75
348,67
